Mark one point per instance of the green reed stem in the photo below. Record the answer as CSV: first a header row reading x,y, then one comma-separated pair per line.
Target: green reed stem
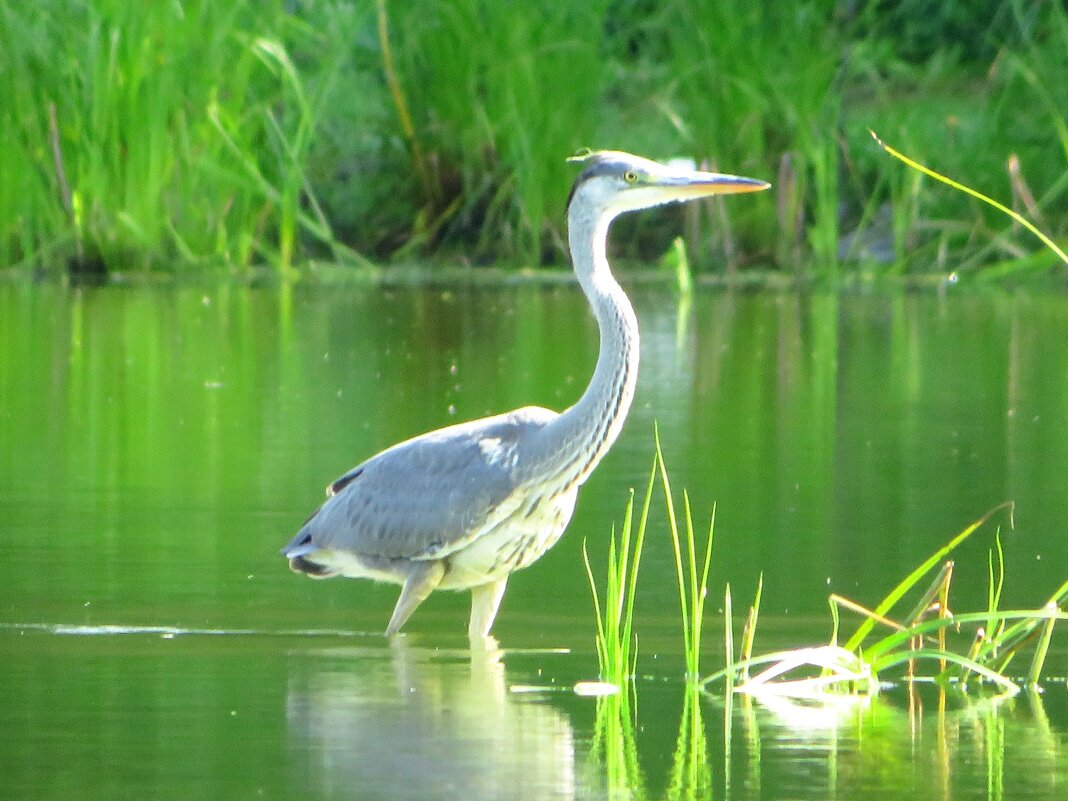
x,y
1049,243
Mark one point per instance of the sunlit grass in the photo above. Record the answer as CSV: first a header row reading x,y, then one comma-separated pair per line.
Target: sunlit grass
x,y
920,637
616,641
269,133
691,573
1016,216
136,136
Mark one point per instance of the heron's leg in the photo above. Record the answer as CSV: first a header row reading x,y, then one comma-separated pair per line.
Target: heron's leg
x,y
423,579
484,602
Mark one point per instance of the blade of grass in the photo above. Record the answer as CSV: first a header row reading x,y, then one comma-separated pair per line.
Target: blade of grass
x,y
675,543
749,632
910,580
897,658
1041,650
700,594
1019,218
616,642
728,638
602,656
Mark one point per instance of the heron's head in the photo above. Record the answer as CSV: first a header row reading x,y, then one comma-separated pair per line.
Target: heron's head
x,y
613,182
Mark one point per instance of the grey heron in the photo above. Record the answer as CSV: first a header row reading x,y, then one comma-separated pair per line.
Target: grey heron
x,y
464,506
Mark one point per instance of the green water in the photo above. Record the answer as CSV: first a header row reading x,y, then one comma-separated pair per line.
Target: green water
x,y
159,444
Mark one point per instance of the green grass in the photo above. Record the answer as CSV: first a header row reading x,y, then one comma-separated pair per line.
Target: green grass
x,y
691,574
616,648
616,639
928,634
180,133
277,133
761,95
616,643
500,95
911,635
1015,216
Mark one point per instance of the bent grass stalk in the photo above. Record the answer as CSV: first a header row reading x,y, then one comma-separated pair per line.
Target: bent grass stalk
x,y
1019,218
912,578
852,667
855,668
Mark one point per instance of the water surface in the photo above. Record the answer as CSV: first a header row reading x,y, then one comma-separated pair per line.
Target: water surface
x,y
159,444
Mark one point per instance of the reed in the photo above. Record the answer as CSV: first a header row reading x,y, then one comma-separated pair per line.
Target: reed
x,y
760,93
175,133
691,573
247,133
616,642
921,636
499,94
1014,215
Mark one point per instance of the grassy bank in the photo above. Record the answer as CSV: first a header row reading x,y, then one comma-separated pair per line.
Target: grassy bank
x,y
187,134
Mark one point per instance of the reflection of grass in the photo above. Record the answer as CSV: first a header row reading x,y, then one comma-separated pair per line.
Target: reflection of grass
x,y
615,748
691,773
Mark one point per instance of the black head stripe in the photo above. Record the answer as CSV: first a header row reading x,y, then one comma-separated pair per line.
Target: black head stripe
x,y
598,164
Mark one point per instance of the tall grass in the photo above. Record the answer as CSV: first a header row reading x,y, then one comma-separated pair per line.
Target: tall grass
x,y
616,640
616,644
179,132
691,574
757,88
499,95
247,133
1018,218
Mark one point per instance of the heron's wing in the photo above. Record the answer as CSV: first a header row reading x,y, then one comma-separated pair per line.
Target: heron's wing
x,y
428,496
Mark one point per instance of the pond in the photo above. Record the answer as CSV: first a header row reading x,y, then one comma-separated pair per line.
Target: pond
x,y
159,443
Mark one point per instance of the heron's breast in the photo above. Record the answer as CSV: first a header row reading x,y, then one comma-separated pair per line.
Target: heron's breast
x,y
513,542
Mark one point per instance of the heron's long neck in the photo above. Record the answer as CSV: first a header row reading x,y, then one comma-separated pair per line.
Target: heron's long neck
x,y
585,432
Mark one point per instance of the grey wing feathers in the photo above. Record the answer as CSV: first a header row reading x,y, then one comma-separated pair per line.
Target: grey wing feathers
x,y
428,496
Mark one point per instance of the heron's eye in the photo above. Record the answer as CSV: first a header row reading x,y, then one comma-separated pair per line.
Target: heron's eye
x,y
630,176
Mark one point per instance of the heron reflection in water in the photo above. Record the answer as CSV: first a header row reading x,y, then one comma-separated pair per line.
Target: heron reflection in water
x,y
463,507
426,723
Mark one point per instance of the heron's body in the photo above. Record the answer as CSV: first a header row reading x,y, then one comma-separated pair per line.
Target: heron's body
x,y
464,506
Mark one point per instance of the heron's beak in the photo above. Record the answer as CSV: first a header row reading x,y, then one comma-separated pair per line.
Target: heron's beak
x,y
702,184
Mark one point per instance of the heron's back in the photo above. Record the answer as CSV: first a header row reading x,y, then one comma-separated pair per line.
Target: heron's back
x,y
473,494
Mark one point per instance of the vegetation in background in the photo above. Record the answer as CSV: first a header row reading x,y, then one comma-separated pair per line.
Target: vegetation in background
x,y
1014,215
279,132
